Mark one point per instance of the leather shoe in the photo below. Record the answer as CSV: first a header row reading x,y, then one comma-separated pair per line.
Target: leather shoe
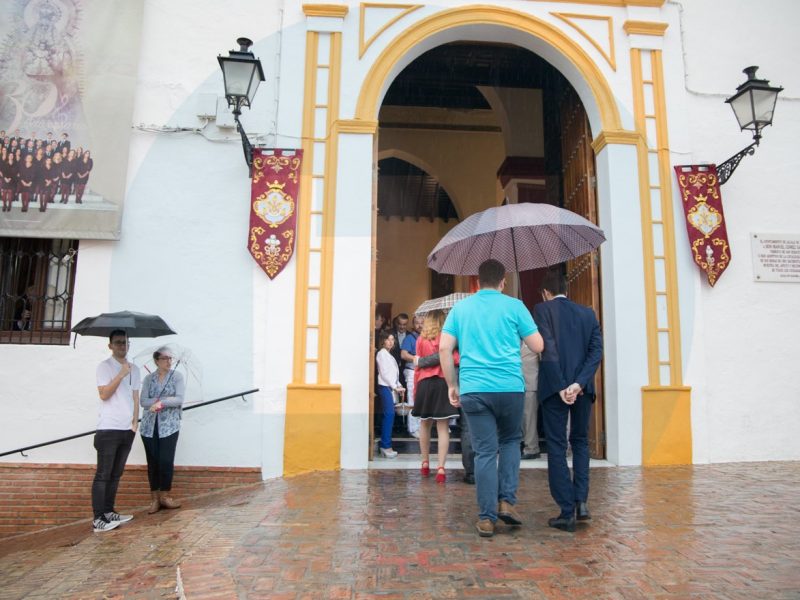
x,y
507,514
563,523
485,528
469,478
582,512
531,455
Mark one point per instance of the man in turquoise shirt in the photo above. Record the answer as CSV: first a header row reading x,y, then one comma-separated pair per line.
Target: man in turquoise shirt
x,y
487,328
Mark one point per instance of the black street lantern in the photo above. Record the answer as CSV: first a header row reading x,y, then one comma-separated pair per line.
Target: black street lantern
x,y
242,73
753,104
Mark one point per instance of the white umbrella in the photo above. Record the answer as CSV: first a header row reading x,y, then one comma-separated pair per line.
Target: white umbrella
x,y
441,303
183,360
521,236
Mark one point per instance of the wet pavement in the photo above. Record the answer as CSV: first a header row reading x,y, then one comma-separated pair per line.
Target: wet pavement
x,y
713,531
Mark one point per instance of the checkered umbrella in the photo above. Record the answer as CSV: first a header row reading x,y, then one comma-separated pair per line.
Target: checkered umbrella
x,y
443,303
521,236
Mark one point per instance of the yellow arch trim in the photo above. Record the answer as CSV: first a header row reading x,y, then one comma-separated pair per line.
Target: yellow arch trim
x,y
569,19
367,106
363,45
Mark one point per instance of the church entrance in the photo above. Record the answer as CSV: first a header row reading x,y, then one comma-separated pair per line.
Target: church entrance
x,y
464,127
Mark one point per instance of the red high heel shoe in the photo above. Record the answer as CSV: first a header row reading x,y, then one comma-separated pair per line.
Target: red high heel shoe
x,y
425,469
440,476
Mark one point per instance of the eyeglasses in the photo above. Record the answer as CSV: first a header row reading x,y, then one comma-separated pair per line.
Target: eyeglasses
x,y
121,343
169,358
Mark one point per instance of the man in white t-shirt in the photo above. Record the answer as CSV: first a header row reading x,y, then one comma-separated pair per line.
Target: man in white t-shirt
x,y
118,384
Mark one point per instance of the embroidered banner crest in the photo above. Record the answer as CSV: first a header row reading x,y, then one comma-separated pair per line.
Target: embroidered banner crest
x,y
705,222
273,207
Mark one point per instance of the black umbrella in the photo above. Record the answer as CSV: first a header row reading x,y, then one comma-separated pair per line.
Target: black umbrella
x,y
134,324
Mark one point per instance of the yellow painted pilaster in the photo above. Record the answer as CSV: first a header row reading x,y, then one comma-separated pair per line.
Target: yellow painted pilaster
x,y
666,402
667,414
313,404
313,434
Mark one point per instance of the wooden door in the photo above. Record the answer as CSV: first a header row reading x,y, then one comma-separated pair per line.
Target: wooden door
x,y
583,273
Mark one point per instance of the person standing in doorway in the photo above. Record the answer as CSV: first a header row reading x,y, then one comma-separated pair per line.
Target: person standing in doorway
x,y
408,354
487,328
118,385
399,331
573,348
530,433
431,404
388,385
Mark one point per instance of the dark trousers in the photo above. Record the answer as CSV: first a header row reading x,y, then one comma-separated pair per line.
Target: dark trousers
x,y
467,453
565,489
113,447
160,459
79,188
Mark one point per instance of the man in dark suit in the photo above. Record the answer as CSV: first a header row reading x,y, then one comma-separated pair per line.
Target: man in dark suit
x,y
573,348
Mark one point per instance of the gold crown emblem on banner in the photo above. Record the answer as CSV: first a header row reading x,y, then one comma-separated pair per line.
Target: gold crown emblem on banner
x,y
274,206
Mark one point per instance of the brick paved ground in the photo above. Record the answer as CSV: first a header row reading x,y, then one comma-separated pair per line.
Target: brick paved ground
x,y
720,531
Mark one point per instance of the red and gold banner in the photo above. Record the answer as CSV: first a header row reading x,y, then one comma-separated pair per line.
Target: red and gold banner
x,y
273,207
705,222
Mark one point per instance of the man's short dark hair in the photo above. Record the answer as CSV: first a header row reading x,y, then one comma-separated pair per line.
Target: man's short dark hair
x,y
398,317
554,282
491,273
116,333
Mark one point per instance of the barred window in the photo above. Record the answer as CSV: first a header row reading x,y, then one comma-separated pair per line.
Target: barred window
x,y
37,280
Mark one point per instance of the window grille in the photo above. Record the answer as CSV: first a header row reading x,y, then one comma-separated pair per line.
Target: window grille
x,y
37,280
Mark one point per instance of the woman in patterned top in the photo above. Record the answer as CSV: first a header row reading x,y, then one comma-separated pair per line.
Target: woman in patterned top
x,y
161,399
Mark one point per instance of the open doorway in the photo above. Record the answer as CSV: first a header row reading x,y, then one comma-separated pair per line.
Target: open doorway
x,y
464,127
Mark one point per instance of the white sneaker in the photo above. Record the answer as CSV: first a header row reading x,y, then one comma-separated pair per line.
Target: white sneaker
x,y
388,453
116,517
101,525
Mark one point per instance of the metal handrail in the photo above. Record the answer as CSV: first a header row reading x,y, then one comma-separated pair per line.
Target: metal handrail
x,y
79,435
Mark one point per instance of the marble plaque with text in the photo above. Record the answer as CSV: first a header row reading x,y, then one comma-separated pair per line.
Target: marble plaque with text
x,y
776,257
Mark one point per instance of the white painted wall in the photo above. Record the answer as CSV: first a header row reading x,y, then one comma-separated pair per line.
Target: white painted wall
x,y
743,334
182,252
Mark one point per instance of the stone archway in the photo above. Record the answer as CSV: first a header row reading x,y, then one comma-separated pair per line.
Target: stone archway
x,y
500,25
617,176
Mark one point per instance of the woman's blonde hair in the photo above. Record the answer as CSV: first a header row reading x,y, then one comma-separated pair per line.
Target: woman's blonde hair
x,y
432,326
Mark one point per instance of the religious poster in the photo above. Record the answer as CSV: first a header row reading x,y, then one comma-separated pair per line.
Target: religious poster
x,y
67,84
273,208
705,222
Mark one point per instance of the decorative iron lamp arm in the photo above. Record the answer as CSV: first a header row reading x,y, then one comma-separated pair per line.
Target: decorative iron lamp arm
x,y
247,147
726,169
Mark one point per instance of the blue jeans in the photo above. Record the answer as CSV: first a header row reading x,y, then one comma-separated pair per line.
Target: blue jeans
x,y
566,490
495,425
387,404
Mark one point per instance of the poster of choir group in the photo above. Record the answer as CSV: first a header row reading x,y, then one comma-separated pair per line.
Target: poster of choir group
x,y
67,85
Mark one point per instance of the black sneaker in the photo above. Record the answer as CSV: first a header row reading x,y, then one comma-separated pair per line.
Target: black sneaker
x,y
101,525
